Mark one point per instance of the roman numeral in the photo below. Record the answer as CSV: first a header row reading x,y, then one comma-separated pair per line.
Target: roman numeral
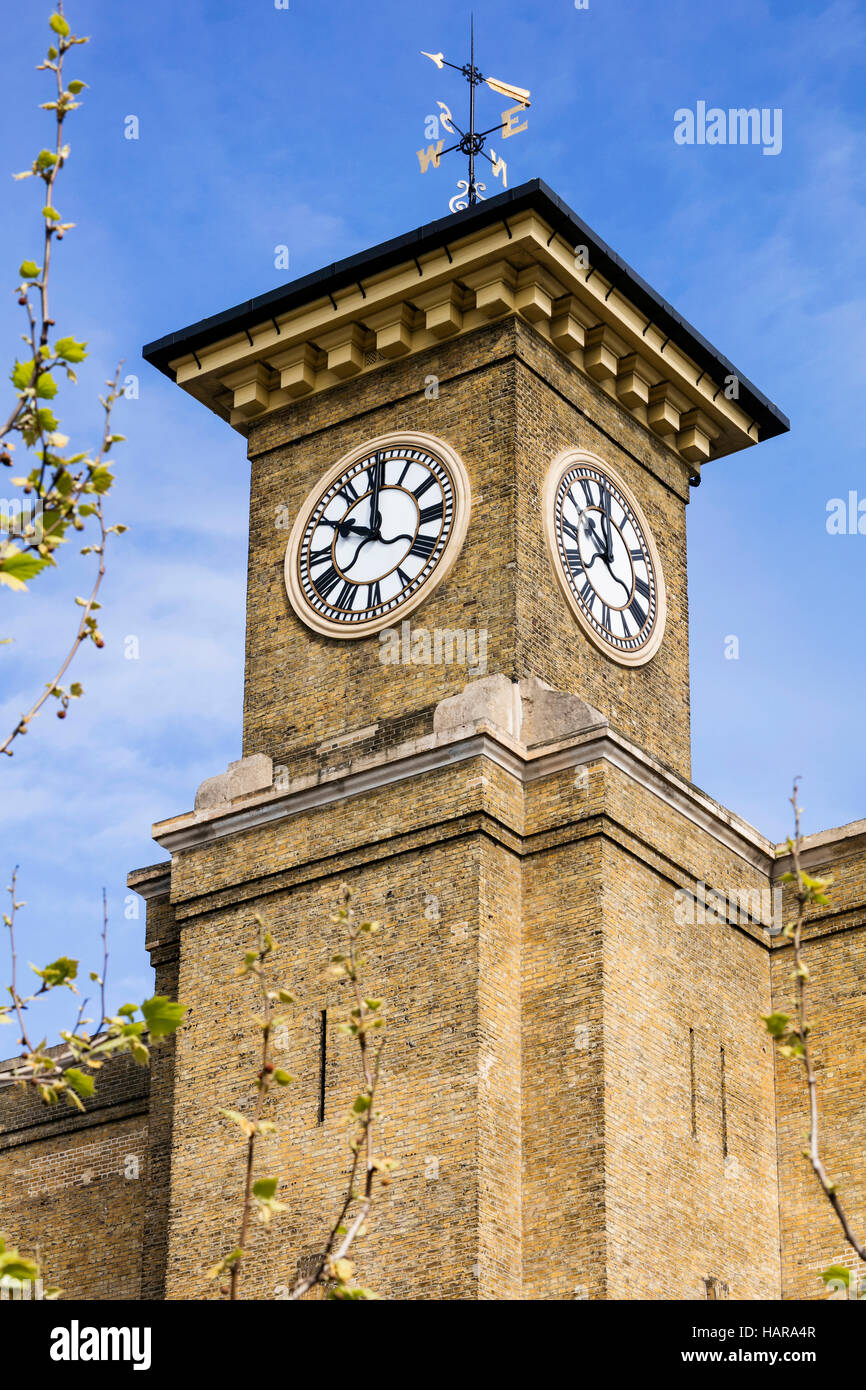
x,y
435,512
404,579
406,466
575,563
345,598
605,617
326,581
587,593
586,488
419,491
637,554
642,588
423,547
637,613
377,467
571,530
348,493
374,595
318,557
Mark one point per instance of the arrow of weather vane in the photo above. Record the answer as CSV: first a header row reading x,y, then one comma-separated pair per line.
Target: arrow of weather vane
x,y
472,142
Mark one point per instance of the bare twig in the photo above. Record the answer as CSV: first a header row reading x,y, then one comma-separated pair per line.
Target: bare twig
x,y
365,1016
809,890
87,628
263,1084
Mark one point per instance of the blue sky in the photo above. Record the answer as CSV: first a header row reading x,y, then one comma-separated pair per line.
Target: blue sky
x,y
261,127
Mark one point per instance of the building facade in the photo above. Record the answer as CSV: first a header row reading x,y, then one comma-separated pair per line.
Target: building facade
x,y
481,724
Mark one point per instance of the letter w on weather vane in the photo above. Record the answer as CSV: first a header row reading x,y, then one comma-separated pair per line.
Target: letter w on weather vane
x,y
472,142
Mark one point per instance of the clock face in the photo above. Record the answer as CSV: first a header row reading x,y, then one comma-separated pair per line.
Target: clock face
x,y
377,534
605,558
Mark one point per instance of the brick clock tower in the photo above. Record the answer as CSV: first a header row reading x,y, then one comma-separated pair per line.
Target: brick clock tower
x,y
467,694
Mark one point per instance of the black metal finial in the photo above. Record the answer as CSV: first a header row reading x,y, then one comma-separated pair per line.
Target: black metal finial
x,y
473,143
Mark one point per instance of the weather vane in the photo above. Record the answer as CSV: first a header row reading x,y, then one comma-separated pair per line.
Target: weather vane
x,y
472,142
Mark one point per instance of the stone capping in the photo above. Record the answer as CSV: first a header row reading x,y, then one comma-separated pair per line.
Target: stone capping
x,y
151,882
589,739
823,847
526,269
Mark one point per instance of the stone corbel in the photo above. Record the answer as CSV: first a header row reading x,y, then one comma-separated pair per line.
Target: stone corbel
x,y
633,381
297,368
535,294
566,330
250,390
393,330
695,436
442,309
662,414
494,287
600,359
345,349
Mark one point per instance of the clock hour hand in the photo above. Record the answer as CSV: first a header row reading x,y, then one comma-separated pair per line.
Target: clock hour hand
x,y
602,552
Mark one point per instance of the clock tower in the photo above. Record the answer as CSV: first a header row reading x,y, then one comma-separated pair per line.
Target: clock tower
x,y
467,694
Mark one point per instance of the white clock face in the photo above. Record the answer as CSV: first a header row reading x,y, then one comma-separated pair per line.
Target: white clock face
x,y
377,534
605,558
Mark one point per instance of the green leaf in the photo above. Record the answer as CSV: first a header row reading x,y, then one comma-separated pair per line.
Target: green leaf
x,y
50,214
836,1274
21,374
80,1081
101,478
16,567
362,1103
162,1015
76,86
28,270
46,386
59,25
46,159
776,1024
282,1077
265,1188
70,350
15,1266
60,972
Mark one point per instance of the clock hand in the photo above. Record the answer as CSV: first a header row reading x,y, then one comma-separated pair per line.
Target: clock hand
x,y
605,502
375,518
392,539
365,541
345,528
601,551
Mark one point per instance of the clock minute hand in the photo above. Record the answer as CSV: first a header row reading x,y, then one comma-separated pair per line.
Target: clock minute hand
x,y
605,503
375,518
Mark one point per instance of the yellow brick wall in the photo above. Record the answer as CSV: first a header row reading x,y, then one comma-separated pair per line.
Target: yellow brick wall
x,y
75,1186
835,953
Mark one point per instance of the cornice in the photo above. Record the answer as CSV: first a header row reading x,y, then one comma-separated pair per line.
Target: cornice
x,y
456,746
520,266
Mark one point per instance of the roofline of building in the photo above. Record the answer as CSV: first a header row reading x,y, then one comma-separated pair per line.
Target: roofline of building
x,y
533,195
